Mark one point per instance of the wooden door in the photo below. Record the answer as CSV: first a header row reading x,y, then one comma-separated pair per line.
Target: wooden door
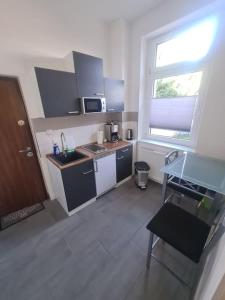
x,y
21,182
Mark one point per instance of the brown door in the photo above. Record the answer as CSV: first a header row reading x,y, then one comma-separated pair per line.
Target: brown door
x,y
21,182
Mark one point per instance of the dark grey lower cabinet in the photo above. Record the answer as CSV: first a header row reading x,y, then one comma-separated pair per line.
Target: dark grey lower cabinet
x,y
124,162
79,184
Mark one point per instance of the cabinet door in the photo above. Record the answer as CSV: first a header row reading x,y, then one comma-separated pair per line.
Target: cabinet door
x,y
58,92
79,184
105,173
114,94
124,163
89,71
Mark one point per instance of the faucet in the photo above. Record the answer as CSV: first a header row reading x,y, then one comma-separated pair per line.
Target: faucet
x,y
63,142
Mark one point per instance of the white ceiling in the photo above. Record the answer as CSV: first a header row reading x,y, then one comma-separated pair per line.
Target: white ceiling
x,y
57,26
109,10
106,10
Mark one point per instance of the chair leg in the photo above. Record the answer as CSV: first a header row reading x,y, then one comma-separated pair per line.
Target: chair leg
x,y
149,255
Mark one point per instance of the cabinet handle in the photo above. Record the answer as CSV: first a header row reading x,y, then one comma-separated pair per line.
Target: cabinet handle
x,y
96,166
111,109
99,94
125,150
74,112
119,158
88,172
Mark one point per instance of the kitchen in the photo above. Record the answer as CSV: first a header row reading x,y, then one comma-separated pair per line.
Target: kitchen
x,y
62,95
82,102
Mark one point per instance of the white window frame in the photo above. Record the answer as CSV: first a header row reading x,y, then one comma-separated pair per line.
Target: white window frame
x,y
152,73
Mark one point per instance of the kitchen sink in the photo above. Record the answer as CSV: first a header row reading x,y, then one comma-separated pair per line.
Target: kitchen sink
x,y
67,158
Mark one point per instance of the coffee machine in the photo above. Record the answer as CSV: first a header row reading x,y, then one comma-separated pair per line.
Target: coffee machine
x,y
112,132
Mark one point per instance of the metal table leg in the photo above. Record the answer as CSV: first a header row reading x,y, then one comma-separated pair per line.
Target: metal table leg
x,y
164,187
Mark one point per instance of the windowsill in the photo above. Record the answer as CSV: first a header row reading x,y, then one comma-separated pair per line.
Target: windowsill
x,y
167,145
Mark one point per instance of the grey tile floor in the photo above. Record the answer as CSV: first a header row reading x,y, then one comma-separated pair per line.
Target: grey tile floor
x,y
96,254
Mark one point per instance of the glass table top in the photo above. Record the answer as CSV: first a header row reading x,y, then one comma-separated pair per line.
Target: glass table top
x,y
200,170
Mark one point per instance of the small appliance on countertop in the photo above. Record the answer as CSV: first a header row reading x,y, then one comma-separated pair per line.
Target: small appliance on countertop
x,y
130,134
112,132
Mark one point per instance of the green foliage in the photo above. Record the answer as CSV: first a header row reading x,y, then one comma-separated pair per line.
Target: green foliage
x,y
165,89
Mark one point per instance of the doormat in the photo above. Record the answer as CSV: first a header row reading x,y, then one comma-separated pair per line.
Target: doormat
x,y
19,215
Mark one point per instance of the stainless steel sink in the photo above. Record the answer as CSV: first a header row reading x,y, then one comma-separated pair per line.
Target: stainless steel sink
x,y
67,158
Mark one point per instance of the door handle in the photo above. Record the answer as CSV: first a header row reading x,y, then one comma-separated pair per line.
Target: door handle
x,y
111,109
119,158
125,150
28,149
88,172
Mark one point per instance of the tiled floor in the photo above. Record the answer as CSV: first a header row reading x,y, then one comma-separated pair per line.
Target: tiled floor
x,y
96,254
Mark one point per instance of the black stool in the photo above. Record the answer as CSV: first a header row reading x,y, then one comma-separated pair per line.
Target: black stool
x,y
182,230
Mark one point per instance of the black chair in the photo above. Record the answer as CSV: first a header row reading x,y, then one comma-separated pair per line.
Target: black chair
x,y
179,185
183,231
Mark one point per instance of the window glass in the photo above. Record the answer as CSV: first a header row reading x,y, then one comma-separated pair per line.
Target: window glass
x,y
179,135
177,86
191,45
174,97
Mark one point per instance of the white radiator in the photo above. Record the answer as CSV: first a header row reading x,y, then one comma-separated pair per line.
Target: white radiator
x,y
155,157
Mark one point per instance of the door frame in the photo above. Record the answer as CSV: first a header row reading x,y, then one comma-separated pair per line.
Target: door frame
x,y
37,151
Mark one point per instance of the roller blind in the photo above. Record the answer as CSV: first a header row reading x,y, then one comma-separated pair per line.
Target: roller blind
x,y
172,113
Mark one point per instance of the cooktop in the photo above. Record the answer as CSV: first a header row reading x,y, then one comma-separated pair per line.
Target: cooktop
x,y
94,148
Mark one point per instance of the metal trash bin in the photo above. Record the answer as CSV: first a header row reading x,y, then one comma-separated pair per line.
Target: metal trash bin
x,y
141,174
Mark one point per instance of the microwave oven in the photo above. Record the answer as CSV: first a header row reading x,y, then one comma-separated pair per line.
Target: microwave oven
x,y
93,105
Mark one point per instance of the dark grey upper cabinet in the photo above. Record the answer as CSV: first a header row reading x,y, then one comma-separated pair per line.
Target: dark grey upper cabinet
x,y
79,184
58,92
89,72
114,94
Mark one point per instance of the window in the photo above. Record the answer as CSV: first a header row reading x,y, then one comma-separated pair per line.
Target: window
x,y
176,73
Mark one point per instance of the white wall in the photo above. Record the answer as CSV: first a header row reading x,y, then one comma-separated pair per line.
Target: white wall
x,y
211,140
118,32
213,272
118,41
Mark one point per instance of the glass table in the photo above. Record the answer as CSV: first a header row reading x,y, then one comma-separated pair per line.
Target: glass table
x,y
200,170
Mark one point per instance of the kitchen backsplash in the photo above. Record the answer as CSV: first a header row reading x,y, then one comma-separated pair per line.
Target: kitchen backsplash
x,y
78,130
75,137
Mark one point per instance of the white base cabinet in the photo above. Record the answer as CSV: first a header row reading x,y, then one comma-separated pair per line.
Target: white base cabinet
x,y
105,173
